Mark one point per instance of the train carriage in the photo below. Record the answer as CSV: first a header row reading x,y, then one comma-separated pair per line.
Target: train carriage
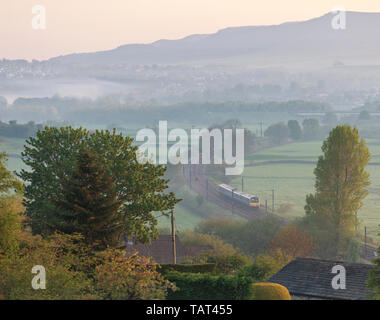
x,y
241,197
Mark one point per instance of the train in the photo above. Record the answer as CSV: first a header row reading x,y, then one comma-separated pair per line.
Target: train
x,y
233,194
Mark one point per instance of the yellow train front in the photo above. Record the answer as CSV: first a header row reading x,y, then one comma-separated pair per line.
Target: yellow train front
x,y
235,195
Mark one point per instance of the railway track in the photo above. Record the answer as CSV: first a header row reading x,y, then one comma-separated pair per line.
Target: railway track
x,y
197,181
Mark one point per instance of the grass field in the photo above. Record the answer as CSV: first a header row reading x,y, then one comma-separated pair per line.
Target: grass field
x,y
291,182
13,147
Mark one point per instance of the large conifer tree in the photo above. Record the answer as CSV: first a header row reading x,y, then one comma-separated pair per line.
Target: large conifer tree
x,y
89,204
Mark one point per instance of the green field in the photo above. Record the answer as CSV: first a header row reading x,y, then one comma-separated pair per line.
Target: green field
x,y
13,147
291,182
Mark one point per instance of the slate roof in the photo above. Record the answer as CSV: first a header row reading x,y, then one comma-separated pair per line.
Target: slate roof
x,y
312,278
161,249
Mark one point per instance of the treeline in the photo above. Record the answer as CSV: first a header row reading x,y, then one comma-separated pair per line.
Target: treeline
x,y
15,130
206,112
281,132
116,109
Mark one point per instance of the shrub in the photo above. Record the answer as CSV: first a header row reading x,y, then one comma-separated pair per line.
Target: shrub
x,y
224,255
293,241
187,268
208,287
270,291
129,278
256,272
64,280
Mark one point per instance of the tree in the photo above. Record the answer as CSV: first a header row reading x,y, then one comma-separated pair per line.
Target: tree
x,y
89,205
224,255
52,158
8,181
293,241
340,185
10,225
249,136
311,128
278,132
295,131
129,278
10,207
253,237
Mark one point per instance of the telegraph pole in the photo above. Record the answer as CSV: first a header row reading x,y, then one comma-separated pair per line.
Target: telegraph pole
x,y
365,239
242,184
261,125
273,200
266,206
356,223
232,205
173,239
207,189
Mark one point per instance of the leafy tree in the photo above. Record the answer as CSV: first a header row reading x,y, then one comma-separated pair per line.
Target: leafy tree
x,y
89,205
272,262
224,255
341,182
293,241
295,131
52,158
129,278
352,253
311,129
278,132
10,224
249,136
8,181
75,271
62,261
253,237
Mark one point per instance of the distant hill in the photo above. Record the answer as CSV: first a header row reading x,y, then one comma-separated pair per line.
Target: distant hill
x,y
312,41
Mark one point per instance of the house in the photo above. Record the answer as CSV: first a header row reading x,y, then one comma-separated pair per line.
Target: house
x,y
161,249
311,279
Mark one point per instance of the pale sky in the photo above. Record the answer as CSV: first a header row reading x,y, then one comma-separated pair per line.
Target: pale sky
x,y
93,25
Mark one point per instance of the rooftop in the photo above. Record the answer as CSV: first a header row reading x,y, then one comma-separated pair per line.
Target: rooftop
x,y
312,278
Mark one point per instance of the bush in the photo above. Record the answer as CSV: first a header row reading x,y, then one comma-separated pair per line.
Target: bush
x,y
226,258
208,287
129,278
187,268
270,291
256,272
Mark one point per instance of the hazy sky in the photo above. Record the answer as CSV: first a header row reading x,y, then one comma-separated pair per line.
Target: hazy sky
x,y
93,25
